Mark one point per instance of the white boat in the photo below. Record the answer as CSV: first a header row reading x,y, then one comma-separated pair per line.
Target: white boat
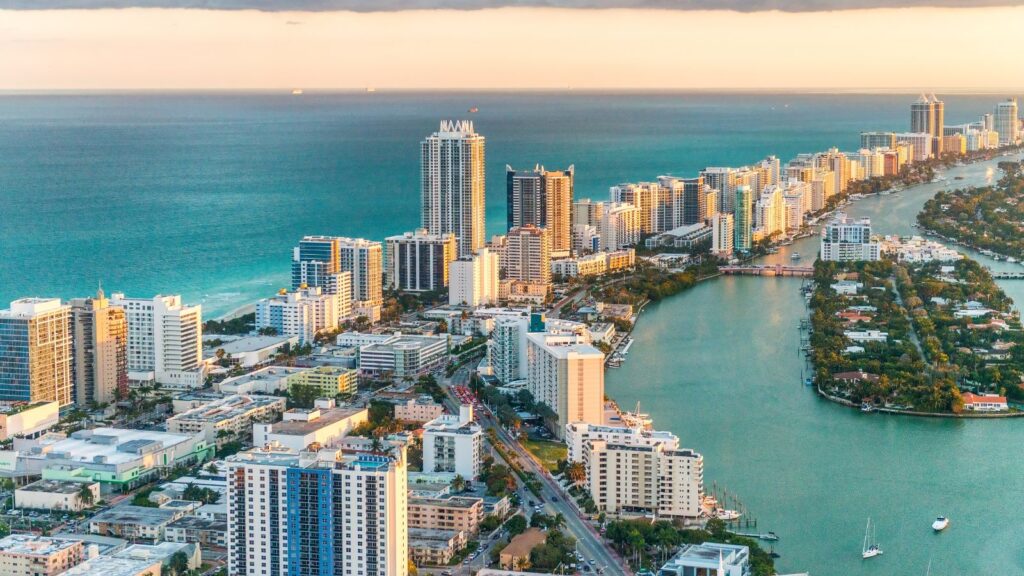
x,y
795,256
1011,260
940,523
872,550
726,515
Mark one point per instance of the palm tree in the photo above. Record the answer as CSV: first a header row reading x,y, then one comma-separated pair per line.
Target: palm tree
x,y
577,473
458,483
85,495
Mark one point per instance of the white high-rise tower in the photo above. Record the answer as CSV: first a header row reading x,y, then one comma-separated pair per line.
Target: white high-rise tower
x,y
452,184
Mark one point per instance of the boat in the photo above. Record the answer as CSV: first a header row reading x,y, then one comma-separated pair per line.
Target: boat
x,y
795,256
940,523
872,550
865,407
770,537
726,515
297,92
1011,260
808,381
474,110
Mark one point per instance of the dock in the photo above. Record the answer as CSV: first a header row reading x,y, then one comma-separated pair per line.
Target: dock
x,y
776,270
767,537
1008,275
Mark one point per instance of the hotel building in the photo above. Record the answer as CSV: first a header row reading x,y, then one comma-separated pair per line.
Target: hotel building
x,y
35,351
321,260
453,443
418,261
542,198
473,280
165,340
305,312
452,185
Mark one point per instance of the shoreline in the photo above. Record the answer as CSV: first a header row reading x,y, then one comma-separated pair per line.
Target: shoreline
x,y
895,412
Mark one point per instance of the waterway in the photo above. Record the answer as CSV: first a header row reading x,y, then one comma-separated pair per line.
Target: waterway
x,y
720,366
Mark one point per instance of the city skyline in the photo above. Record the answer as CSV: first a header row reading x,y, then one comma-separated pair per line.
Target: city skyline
x,y
159,48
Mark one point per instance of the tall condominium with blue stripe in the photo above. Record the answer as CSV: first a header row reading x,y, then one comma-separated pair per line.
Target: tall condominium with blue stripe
x,y
325,513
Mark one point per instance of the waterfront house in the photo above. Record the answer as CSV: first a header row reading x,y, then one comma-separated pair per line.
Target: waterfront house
x,y
972,309
866,335
709,558
847,287
853,377
984,402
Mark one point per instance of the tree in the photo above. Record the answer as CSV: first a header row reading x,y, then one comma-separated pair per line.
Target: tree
x,y
412,571
458,483
516,525
85,495
303,395
178,563
577,473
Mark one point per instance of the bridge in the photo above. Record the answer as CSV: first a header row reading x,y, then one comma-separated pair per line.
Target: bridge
x,y
769,270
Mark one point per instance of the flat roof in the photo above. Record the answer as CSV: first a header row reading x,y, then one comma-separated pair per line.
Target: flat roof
x,y
229,407
327,418
253,344
109,566
199,523
131,514
447,501
116,445
30,544
55,486
523,543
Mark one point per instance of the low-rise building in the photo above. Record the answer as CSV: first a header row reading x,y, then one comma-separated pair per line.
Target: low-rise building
x,y
57,495
330,380
111,566
984,402
435,547
265,380
866,335
252,351
709,558
516,554
587,265
134,522
453,443
33,555
227,419
422,409
447,513
162,552
688,236
207,532
27,420
403,355
324,424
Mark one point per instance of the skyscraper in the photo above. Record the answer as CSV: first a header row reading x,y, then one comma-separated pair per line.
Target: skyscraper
x,y
1006,122
35,351
694,201
743,218
544,199
928,116
452,184
328,512
100,344
165,340
418,261
528,255
321,261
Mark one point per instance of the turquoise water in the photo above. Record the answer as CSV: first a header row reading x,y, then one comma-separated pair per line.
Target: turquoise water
x,y
205,194
719,365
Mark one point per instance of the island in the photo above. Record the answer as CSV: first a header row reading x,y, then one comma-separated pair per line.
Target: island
x,y
988,219
922,338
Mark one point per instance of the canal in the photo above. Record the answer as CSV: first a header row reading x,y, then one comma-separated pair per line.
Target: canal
x,y
720,366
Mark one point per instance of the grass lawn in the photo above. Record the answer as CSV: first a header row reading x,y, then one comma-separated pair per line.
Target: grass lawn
x,y
549,453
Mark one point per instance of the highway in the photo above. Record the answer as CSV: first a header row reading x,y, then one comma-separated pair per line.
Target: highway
x,y
590,544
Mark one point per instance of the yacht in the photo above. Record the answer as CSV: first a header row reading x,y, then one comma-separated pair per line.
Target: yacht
x,y
869,550
795,256
940,523
865,407
726,515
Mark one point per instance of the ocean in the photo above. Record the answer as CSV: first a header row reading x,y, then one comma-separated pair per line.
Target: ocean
x,y
205,194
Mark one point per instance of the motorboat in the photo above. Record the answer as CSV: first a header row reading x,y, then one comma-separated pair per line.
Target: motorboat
x,y
726,515
795,256
865,407
940,524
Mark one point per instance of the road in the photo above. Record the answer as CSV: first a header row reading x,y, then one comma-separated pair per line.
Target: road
x,y
555,501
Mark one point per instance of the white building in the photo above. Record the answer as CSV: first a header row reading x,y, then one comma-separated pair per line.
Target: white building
x,y
453,443
327,512
452,184
722,235
324,424
620,226
1007,122
403,355
56,495
227,419
165,340
566,375
473,280
263,381
251,351
27,420
589,265
917,249
304,313
709,558
866,335
920,143
845,240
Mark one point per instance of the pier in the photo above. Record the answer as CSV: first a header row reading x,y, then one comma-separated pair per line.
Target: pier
x,y
1008,275
769,537
769,270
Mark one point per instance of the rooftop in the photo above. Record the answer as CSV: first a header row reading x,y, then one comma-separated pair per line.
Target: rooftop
x,y
153,552
109,566
229,408
448,501
199,523
131,514
107,445
55,486
327,417
30,544
253,344
523,543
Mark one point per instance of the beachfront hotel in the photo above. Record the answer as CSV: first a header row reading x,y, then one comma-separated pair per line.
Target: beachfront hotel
x,y
542,198
35,351
100,349
326,512
418,261
323,260
452,185
165,340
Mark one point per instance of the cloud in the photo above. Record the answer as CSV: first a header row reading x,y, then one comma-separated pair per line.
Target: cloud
x,y
397,5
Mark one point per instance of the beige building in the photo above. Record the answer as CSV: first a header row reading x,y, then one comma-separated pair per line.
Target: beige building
x,y
528,255
516,556
447,513
27,420
227,419
422,409
568,376
435,547
331,380
418,261
57,495
100,344
324,424
111,566
31,555
542,198
35,351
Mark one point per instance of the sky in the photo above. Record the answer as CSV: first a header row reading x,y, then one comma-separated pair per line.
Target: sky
x,y
517,44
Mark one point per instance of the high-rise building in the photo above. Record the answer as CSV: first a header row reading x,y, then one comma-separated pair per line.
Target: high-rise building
x,y
871,140
846,239
321,260
743,218
928,116
620,226
328,512
1007,124
939,112
453,443
771,212
418,261
724,180
452,185
654,203
100,345
542,198
586,212
722,235
165,340
473,281
506,348
35,351
528,255
304,312
567,376
920,144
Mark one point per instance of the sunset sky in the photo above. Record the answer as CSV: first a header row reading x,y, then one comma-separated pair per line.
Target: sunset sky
x,y
510,47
